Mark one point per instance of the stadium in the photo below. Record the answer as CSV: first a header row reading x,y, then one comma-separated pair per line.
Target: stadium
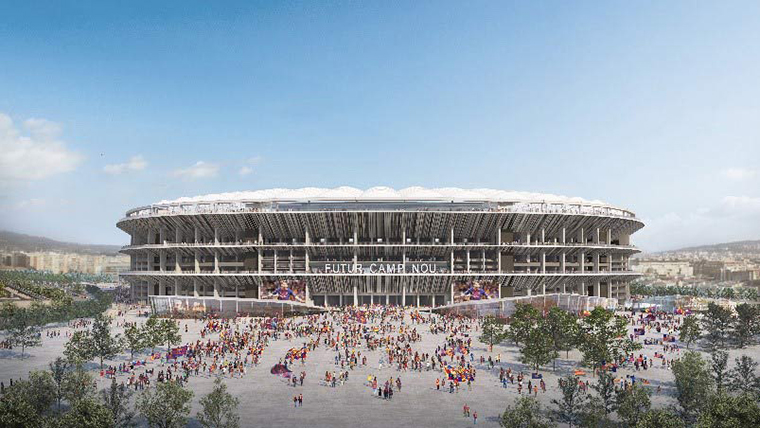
x,y
312,248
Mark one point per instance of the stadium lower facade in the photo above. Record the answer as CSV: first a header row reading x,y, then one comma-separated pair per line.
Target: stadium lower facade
x,y
335,247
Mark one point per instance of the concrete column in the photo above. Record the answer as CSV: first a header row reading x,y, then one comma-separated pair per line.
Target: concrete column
x,y
197,235
341,300
161,287
258,256
597,237
562,262
403,295
216,235
583,237
596,288
275,261
195,288
356,236
596,262
149,236
609,236
483,268
452,236
403,236
543,287
543,235
216,288
582,262
452,294
564,287
177,257
356,296
498,237
468,261
306,295
543,262
387,299
307,239
161,237
162,260
176,286
528,237
530,291
563,236
216,261
418,300
306,260
609,288
197,262
261,237
237,288
177,235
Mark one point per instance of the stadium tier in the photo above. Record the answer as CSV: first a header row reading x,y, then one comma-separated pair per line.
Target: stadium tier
x,y
345,246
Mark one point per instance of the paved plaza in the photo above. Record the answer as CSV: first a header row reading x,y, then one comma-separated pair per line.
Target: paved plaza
x,y
266,399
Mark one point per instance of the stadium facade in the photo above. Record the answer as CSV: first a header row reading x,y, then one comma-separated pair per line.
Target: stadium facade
x,y
346,246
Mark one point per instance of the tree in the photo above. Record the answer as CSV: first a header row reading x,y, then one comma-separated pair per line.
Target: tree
x,y
538,349
116,400
604,337
24,330
605,388
104,344
39,390
743,378
690,331
569,407
562,328
717,322
169,333
167,407
522,322
219,408
660,418
720,369
135,339
17,412
693,384
724,410
526,413
633,403
152,332
58,369
77,385
86,413
747,323
79,348
492,331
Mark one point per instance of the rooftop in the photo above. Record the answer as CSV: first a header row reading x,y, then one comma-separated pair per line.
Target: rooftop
x,y
380,194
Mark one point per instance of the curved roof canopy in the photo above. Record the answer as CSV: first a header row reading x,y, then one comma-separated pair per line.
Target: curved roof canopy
x,y
381,194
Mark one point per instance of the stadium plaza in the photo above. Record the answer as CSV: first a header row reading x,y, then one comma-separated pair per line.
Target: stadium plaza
x,y
313,248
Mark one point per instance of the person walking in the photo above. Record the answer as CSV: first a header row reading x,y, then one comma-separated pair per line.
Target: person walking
x,y
475,418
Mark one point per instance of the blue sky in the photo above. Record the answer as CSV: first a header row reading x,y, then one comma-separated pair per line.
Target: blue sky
x,y
652,106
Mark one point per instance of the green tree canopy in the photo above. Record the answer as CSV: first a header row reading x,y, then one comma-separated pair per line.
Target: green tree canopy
x,y
604,337
219,408
165,407
694,384
526,413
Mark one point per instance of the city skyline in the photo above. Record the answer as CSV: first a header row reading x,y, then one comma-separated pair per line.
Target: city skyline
x,y
646,107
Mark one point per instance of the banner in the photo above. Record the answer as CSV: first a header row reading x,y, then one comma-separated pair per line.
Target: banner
x,y
291,289
465,291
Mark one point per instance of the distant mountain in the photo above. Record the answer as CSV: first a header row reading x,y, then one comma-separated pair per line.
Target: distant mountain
x,y
749,247
11,241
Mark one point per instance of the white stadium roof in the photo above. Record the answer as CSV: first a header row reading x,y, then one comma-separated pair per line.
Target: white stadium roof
x,y
382,194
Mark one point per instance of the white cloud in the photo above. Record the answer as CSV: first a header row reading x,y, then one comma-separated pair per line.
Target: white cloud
x,y
733,218
30,203
255,160
739,174
135,163
245,170
38,155
199,170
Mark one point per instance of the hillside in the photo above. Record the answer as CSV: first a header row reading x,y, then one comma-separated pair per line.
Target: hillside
x,y
748,247
11,241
